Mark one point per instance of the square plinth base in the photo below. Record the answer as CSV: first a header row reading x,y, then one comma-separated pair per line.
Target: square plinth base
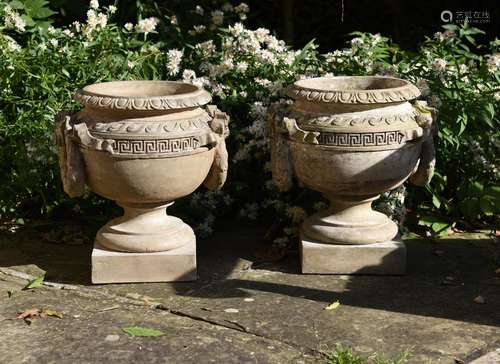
x,y
387,258
170,266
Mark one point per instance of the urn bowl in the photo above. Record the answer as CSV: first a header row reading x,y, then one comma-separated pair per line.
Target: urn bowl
x,y
143,144
350,138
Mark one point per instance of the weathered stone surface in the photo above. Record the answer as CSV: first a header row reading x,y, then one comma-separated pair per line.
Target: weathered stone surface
x,y
378,258
352,138
490,358
168,266
256,304
82,335
143,144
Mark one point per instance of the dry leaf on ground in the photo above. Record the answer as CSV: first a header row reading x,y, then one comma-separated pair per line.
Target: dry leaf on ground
x,y
479,299
333,305
28,314
52,313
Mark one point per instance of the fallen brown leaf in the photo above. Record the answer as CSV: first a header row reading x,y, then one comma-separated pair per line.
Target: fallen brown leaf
x,y
28,314
479,300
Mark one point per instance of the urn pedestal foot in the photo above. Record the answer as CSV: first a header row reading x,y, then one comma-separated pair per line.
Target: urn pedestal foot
x,y
144,228
350,220
386,258
144,245
175,265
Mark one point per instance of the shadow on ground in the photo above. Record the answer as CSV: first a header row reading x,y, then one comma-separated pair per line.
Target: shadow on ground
x,y
443,278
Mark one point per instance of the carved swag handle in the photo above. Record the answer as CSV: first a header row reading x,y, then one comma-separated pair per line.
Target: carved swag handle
x,y
70,135
427,119
70,159
218,171
281,159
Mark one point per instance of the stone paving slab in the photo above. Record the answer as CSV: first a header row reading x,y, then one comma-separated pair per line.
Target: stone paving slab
x,y
430,311
91,332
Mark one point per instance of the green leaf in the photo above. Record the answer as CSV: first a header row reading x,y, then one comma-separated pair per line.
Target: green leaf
x,y
471,208
16,5
486,206
472,30
35,283
491,110
429,220
142,331
493,192
436,202
43,25
463,124
470,39
450,27
476,189
42,13
438,227
28,20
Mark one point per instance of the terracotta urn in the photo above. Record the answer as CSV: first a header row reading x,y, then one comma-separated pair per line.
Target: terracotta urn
x,y
352,138
143,144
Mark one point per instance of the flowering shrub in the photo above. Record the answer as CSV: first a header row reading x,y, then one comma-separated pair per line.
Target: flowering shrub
x,y
246,71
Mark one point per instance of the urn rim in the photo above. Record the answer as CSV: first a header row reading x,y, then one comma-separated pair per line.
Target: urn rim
x,y
142,95
353,90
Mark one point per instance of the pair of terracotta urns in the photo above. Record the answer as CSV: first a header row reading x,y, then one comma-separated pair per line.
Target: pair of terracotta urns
x,y
145,144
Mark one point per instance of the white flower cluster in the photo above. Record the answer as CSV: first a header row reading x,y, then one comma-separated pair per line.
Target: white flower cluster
x,y
95,20
439,64
190,77
242,9
217,17
197,29
210,199
199,10
206,49
337,56
174,57
493,62
13,20
145,26
11,44
361,52
444,36
481,158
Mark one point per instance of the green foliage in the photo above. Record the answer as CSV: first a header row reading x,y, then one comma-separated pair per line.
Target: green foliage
x,y
247,72
463,84
34,13
35,283
40,80
466,92
345,355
